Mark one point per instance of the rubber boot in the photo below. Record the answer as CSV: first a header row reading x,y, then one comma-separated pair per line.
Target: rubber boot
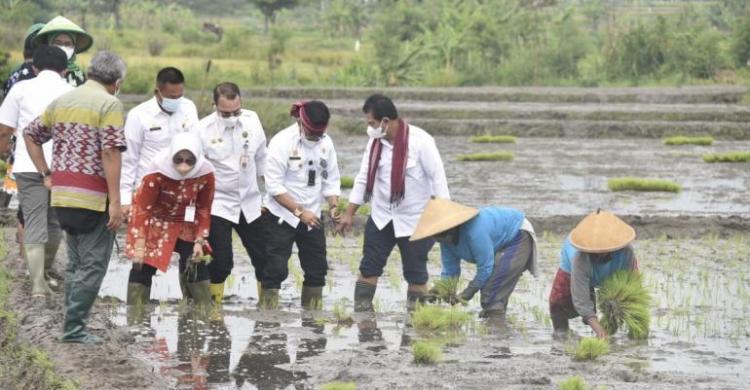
x,y
560,325
270,299
312,298
184,286
35,261
138,294
50,251
363,295
201,293
217,292
259,286
415,297
80,301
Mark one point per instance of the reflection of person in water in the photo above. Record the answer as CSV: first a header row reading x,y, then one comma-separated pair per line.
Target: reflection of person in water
x,y
219,350
369,333
191,341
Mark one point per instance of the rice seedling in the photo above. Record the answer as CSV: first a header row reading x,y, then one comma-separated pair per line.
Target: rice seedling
x,y
727,157
342,316
446,289
590,348
439,318
339,386
641,184
362,210
623,301
495,156
686,140
426,352
573,383
493,139
347,182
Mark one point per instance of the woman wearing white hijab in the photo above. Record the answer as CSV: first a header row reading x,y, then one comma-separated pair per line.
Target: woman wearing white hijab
x,y
172,213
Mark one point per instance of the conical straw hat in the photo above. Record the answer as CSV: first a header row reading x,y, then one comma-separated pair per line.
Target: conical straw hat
x,y
61,24
440,215
601,232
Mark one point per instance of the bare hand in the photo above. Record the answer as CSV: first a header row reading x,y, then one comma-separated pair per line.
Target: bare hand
x,y
115,216
310,219
197,253
125,212
344,224
333,212
48,182
598,329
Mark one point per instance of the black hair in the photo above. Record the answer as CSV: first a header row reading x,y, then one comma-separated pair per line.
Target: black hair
x,y
226,89
317,112
50,58
28,46
380,106
169,75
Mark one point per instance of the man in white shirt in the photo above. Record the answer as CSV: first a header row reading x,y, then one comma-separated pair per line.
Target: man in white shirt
x,y
24,103
150,126
234,142
301,171
401,170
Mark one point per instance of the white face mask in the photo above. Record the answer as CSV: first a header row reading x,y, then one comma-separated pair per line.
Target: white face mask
x,y
171,105
375,133
309,143
230,122
69,51
183,169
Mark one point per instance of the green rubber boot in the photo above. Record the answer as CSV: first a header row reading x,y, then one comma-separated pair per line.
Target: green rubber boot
x,y
270,299
50,251
138,294
312,298
363,295
35,261
201,293
80,300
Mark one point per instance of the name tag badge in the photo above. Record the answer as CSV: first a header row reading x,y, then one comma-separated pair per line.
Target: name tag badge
x,y
190,214
155,128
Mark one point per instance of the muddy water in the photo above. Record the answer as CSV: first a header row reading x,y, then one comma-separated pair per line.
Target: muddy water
x,y
699,337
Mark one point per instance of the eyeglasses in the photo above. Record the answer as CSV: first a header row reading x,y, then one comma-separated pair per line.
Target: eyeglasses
x,y
229,114
179,160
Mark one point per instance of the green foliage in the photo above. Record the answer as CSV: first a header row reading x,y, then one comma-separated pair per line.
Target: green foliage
x,y
426,352
274,115
345,17
590,348
446,288
573,383
496,156
339,386
727,157
493,139
439,318
363,210
741,42
684,140
624,301
347,182
641,184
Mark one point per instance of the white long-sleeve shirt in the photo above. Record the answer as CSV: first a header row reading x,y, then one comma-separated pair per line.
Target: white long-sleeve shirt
x,y
425,177
24,103
288,163
148,130
239,158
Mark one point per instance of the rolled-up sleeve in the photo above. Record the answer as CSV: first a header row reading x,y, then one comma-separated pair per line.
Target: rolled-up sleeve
x,y
39,130
580,287
276,165
433,165
357,195
111,132
331,185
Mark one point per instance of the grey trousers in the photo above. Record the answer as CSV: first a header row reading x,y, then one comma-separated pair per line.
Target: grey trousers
x,y
88,256
40,221
510,262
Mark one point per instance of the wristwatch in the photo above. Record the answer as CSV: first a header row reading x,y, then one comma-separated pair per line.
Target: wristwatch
x,y
45,173
298,211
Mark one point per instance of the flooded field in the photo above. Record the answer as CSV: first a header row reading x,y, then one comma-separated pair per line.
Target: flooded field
x,y
700,331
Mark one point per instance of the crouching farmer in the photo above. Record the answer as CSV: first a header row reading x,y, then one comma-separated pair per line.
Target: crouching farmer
x,y
597,248
499,240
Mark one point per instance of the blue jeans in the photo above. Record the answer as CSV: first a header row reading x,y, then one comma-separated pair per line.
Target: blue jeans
x,y
378,246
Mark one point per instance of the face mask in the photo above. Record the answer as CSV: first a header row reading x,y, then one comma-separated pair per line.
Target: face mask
x,y
183,169
171,105
375,133
69,51
230,122
309,143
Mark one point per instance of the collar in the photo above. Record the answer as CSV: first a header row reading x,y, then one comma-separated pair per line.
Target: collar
x,y
95,85
154,109
49,74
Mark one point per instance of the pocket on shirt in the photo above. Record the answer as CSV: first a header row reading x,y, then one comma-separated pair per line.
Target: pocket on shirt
x,y
217,151
157,137
413,169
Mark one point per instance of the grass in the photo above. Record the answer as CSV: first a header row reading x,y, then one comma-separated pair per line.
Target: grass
x,y
685,140
493,139
727,157
426,352
347,182
439,318
623,301
339,386
446,288
362,210
573,383
495,156
590,348
641,184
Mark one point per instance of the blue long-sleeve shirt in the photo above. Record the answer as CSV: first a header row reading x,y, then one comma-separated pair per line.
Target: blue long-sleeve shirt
x,y
478,240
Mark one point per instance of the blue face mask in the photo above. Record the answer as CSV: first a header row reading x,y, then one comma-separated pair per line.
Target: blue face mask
x,y
171,105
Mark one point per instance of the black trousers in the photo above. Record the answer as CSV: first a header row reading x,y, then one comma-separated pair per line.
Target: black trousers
x,y
185,249
253,237
279,242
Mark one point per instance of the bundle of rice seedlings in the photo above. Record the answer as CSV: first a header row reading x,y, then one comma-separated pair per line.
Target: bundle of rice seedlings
x,y
493,139
426,352
573,383
339,386
641,184
624,301
590,348
446,289
728,157
439,318
684,140
496,156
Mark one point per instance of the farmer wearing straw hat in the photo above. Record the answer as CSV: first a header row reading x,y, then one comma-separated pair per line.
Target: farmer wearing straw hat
x,y
63,33
597,248
499,240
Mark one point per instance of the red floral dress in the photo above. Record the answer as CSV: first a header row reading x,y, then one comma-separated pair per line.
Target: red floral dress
x,y
158,215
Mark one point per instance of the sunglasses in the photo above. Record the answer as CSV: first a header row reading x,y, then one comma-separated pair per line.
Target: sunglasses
x,y
179,160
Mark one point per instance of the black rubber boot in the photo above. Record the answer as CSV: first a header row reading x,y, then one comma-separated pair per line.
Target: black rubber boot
x,y
312,298
363,295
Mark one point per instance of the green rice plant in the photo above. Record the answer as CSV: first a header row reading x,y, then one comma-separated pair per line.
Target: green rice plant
x,y
624,301
342,315
495,156
439,318
347,182
590,348
362,210
493,139
446,289
727,157
426,352
573,383
685,140
641,184
339,386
